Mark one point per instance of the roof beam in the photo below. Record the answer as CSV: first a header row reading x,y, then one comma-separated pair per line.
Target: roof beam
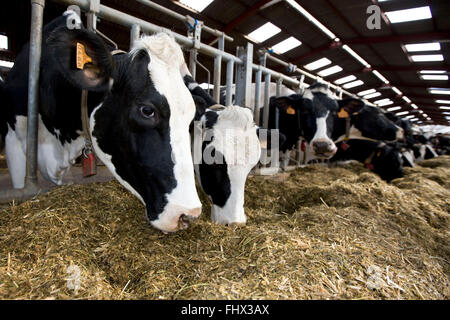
x,y
428,36
243,16
405,38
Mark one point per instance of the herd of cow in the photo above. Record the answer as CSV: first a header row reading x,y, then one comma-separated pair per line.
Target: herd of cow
x,y
143,108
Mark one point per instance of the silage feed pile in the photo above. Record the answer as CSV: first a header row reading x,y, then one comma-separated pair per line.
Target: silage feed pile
x,y
314,233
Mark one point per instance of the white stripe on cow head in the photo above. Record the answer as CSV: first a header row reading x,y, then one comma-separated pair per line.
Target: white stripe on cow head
x,y
166,59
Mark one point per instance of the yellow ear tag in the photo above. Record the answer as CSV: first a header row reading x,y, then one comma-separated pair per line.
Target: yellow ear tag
x,y
343,113
378,154
290,110
82,57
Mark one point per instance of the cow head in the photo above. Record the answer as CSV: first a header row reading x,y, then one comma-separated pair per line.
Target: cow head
x,y
317,113
289,119
387,162
140,130
312,116
230,149
367,121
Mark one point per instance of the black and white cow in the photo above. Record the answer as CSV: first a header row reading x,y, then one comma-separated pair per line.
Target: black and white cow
x,y
322,120
226,148
416,146
381,158
139,112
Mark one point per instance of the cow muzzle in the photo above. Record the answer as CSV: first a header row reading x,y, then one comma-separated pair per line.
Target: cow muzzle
x,y
323,148
175,218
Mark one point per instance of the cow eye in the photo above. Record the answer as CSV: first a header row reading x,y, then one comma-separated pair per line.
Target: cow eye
x,y
147,112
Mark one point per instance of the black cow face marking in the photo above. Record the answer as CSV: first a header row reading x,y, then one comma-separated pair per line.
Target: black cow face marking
x,y
144,143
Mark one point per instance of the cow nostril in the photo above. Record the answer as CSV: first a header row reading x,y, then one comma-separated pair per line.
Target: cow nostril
x,y
322,147
183,222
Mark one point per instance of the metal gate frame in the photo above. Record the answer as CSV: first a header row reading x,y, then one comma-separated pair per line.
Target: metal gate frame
x,y
241,65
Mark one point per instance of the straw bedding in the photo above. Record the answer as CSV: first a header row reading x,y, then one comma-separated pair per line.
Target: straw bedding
x,y
314,233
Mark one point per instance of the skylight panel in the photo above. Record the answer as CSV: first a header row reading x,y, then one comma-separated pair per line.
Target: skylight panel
x,y
387,103
330,71
372,95
402,113
286,45
427,57
410,116
417,47
395,89
3,42
394,109
414,106
432,72
382,100
406,99
407,15
365,92
380,76
443,101
444,108
264,32
345,79
439,91
318,64
434,77
197,5
353,84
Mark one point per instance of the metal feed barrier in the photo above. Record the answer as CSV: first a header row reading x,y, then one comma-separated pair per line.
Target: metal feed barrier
x,y
241,64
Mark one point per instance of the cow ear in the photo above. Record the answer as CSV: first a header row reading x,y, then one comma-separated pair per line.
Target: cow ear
x,y
350,106
289,103
82,57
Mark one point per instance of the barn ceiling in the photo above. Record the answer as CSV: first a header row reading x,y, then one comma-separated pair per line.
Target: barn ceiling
x,y
383,48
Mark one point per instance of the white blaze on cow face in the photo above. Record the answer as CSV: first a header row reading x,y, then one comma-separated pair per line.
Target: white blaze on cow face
x,y
321,144
181,198
234,138
165,74
320,101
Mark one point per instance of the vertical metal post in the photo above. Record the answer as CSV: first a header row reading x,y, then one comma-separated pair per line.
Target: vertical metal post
x,y
277,112
267,78
37,14
244,76
193,63
230,74
256,112
135,33
94,9
258,80
194,34
218,70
